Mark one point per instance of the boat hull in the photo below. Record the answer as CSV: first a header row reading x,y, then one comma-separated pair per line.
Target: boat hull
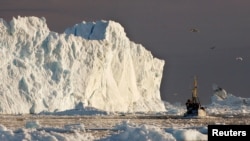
x,y
198,113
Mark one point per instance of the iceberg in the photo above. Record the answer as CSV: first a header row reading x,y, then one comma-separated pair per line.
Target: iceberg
x,y
93,63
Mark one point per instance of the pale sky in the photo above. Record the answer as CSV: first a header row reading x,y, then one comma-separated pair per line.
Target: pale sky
x,y
163,27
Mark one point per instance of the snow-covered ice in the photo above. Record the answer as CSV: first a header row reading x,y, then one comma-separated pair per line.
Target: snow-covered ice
x,y
69,133
125,131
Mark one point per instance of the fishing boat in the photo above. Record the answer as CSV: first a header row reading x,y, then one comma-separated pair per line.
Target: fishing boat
x,y
193,105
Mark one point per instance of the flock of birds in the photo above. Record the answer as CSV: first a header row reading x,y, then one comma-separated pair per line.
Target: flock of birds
x,y
195,30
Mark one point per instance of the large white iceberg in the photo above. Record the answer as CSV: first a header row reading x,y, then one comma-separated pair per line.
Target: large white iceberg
x,y
93,63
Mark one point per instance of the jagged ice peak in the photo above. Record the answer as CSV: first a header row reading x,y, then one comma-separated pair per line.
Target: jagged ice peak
x,y
93,63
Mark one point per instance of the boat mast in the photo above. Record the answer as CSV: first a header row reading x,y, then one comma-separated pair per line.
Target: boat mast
x,y
194,91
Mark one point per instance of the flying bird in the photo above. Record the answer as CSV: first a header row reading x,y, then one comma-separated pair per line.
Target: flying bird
x,y
175,94
239,58
194,30
213,47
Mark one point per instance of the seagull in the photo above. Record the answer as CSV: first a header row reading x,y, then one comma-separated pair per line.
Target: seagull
x,y
213,47
239,58
175,94
194,30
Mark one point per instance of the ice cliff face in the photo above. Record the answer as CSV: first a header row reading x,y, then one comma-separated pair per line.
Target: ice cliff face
x,y
92,63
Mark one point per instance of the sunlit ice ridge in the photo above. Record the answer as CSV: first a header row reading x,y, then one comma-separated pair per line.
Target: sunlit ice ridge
x,y
91,63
